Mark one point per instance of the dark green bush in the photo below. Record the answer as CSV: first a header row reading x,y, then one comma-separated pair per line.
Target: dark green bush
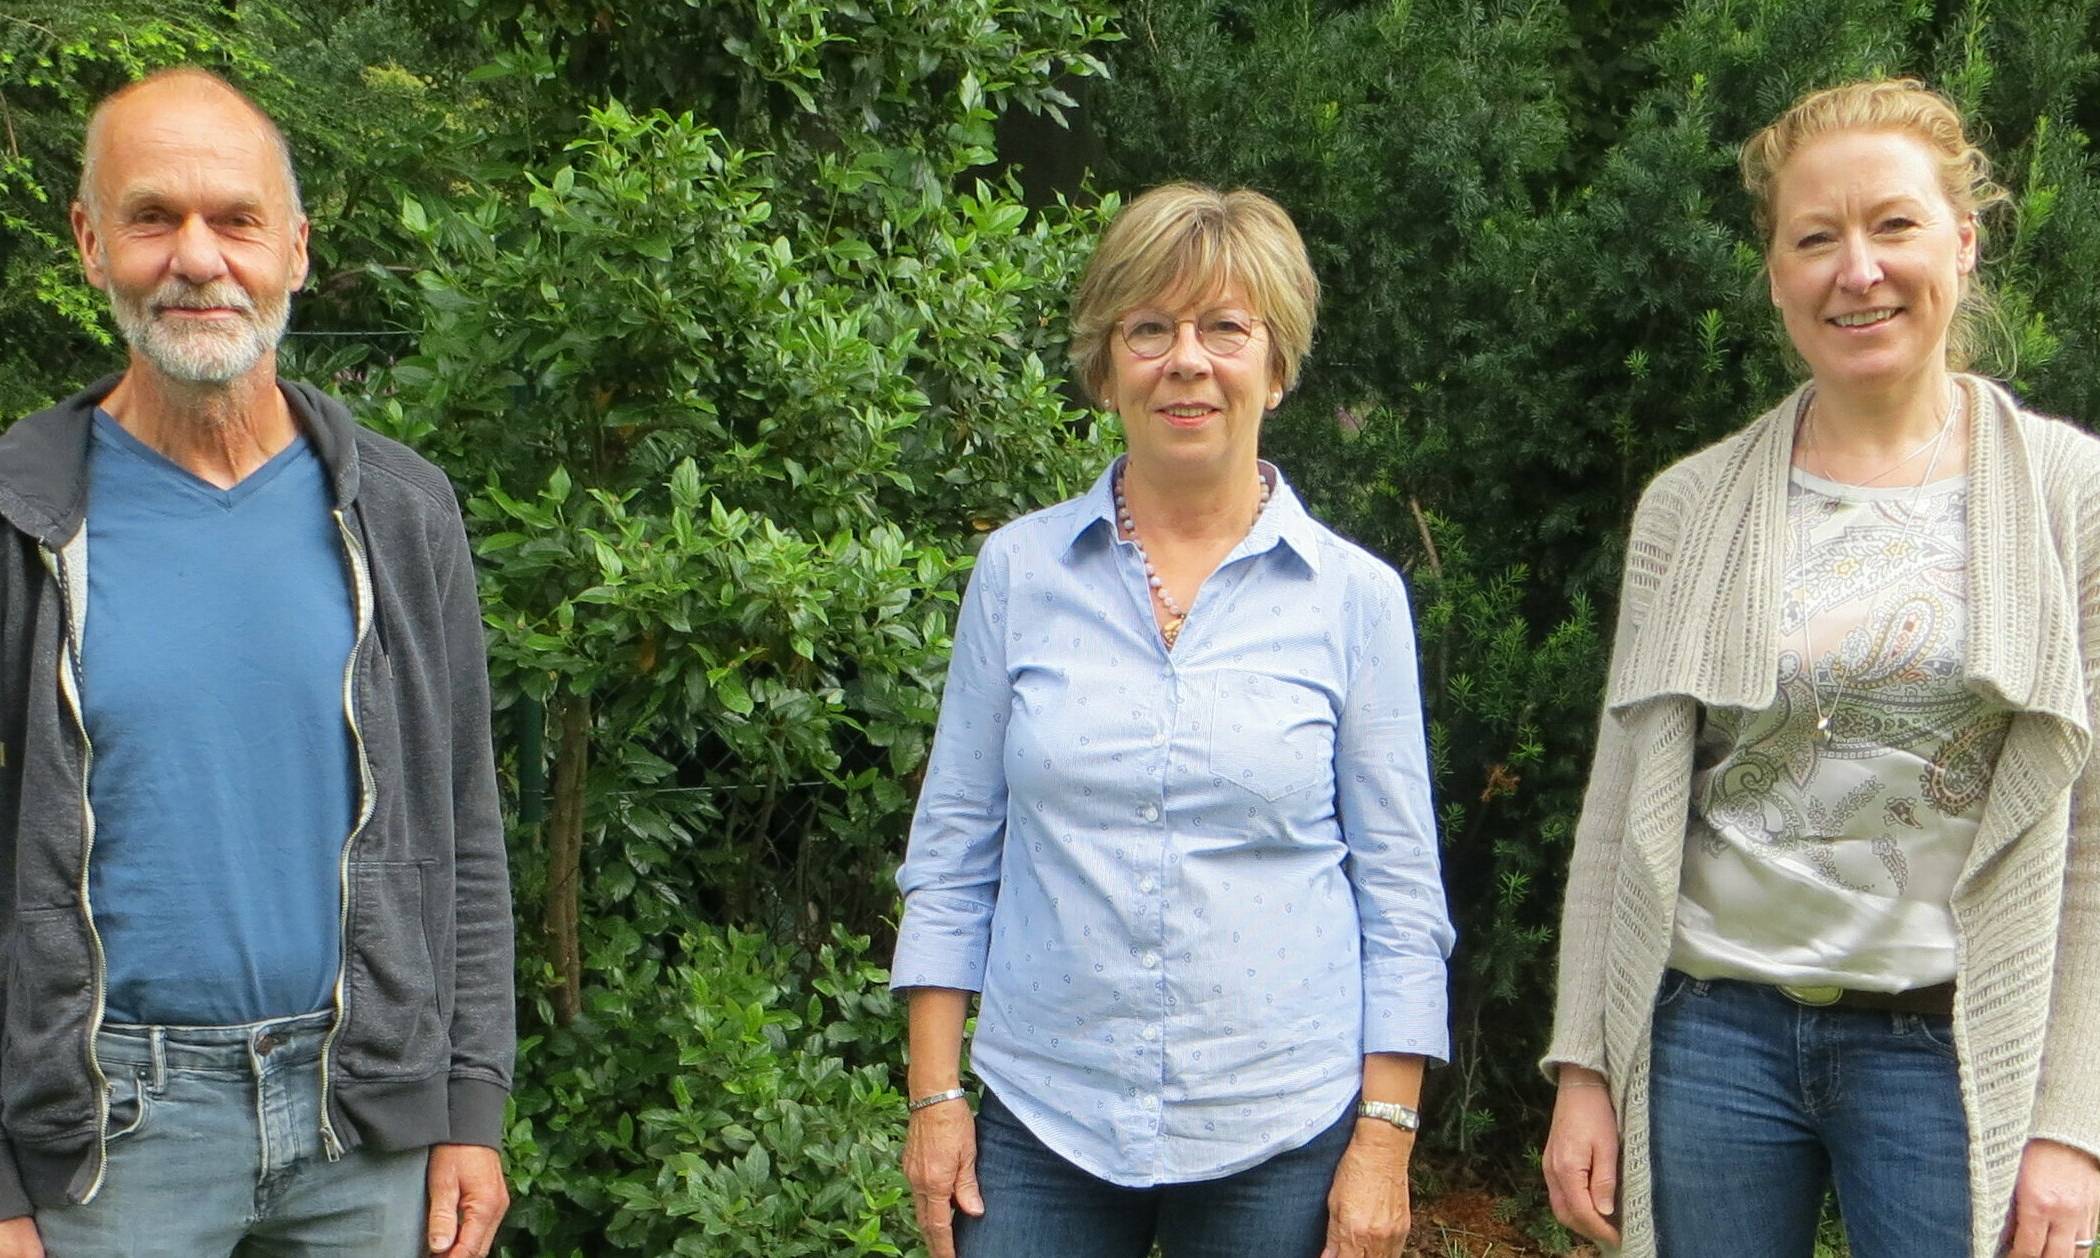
x,y
1531,312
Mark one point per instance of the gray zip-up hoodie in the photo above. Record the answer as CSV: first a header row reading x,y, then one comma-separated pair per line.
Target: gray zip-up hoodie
x,y
424,1034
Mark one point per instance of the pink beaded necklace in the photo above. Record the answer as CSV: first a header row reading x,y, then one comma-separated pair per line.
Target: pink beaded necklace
x,y
1176,617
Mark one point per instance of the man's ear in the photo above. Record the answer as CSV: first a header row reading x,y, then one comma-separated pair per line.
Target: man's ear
x,y
89,244
301,263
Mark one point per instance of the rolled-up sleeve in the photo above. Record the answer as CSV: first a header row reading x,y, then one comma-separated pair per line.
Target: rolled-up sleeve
x,y
950,875
1382,794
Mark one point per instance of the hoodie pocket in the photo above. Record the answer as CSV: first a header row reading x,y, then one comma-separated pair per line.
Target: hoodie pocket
x,y
390,1027
48,1090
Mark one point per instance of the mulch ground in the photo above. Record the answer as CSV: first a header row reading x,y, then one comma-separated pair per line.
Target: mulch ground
x,y
1467,1223
1461,1213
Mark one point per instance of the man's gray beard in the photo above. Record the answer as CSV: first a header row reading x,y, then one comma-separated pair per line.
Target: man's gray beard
x,y
201,353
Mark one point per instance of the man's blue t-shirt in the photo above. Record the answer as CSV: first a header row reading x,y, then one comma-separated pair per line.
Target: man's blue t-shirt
x,y
218,632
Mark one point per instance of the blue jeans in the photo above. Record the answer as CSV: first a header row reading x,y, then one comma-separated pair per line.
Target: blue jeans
x,y
215,1150
1038,1205
1757,1104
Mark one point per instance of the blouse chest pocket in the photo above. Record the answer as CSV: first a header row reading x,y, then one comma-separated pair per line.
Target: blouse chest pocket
x,y
1270,736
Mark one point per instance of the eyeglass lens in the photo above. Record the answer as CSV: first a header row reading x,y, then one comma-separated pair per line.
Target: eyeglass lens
x,y
1150,333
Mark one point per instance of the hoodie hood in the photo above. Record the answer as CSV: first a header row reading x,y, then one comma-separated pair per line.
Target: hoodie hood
x,y
44,457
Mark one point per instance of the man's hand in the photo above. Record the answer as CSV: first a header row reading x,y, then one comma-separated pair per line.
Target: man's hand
x,y
18,1239
467,1199
940,1160
1582,1157
1367,1209
2055,1201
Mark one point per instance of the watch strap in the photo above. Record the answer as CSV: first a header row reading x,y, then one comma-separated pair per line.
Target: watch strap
x,y
1402,1116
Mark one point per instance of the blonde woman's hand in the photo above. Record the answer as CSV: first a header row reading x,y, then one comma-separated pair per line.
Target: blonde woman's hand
x,y
18,1238
940,1160
1582,1156
2055,1201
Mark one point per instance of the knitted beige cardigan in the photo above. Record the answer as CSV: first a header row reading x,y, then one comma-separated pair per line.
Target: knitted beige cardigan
x,y
1698,624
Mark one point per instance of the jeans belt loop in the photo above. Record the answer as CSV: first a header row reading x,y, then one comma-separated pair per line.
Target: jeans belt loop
x,y
157,1049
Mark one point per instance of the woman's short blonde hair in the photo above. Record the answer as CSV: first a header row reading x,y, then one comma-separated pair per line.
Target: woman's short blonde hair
x,y
1183,239
1905,107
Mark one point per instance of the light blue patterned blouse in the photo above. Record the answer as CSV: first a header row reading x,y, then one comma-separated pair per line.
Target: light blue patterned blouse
x,y
1194,887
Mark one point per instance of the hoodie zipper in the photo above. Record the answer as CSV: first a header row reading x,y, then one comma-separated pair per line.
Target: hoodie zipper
x,y
69,687
361,585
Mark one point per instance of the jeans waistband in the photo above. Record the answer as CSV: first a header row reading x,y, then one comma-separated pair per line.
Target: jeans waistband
x,y
283,1041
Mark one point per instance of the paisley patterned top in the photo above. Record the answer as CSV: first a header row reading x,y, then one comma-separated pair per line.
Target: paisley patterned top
x,y
1827,856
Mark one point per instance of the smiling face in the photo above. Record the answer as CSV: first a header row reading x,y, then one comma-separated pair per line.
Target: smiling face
x,y
1193,409
1867,258
191,229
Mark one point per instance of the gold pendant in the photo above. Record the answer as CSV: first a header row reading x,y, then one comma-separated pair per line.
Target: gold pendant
x,y
1171,630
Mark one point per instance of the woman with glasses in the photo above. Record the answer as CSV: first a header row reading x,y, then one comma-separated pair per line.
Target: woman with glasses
x,y
1176,826
1833,915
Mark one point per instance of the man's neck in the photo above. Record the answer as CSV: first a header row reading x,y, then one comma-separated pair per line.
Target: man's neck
x,y
219,433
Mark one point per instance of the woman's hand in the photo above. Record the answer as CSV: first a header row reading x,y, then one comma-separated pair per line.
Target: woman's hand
x,y
940,1160
2055,1202
18,1239
1582,1156
1367,1209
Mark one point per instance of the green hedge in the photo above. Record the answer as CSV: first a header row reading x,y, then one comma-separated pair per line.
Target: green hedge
x,y
736,328
1542,288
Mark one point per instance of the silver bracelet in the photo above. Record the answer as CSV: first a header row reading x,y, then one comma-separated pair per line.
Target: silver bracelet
x,y
937,1098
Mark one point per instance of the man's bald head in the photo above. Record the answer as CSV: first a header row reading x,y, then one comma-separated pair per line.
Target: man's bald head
x,y
177,79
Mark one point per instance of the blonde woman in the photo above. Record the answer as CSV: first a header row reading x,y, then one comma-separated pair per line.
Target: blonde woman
x,y
1176,825
1834,909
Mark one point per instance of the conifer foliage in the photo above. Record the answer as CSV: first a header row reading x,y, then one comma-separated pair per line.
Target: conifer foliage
x,y
1530,312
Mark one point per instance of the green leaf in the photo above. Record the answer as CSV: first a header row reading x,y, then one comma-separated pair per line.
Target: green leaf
x,y
731,694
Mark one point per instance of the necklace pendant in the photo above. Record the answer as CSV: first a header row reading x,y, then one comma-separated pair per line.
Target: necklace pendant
x,y
1823,734
1171,630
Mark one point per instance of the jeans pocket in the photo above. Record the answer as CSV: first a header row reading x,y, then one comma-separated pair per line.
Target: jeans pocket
x,y
130,1100
1935,1029
1674,984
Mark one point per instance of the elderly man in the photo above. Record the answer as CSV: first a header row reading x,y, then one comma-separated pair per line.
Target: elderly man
x,y
253,903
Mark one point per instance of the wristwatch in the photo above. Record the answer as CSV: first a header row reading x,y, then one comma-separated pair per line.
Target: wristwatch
x,y
1401,1116
928,1102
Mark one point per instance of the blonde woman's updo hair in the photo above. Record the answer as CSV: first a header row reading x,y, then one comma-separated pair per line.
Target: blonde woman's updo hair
x,y
1183,240
1903,107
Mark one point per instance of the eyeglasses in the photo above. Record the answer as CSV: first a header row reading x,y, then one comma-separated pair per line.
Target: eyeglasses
x,y
1150,333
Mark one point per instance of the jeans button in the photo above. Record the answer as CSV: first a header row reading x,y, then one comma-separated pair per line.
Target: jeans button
x,y
266,1043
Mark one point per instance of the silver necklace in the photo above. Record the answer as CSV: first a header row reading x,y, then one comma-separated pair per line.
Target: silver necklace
x,y
1176,617
1938,441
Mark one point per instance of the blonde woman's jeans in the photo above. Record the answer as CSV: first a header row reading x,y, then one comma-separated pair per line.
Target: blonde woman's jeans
x,y
1757,1104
